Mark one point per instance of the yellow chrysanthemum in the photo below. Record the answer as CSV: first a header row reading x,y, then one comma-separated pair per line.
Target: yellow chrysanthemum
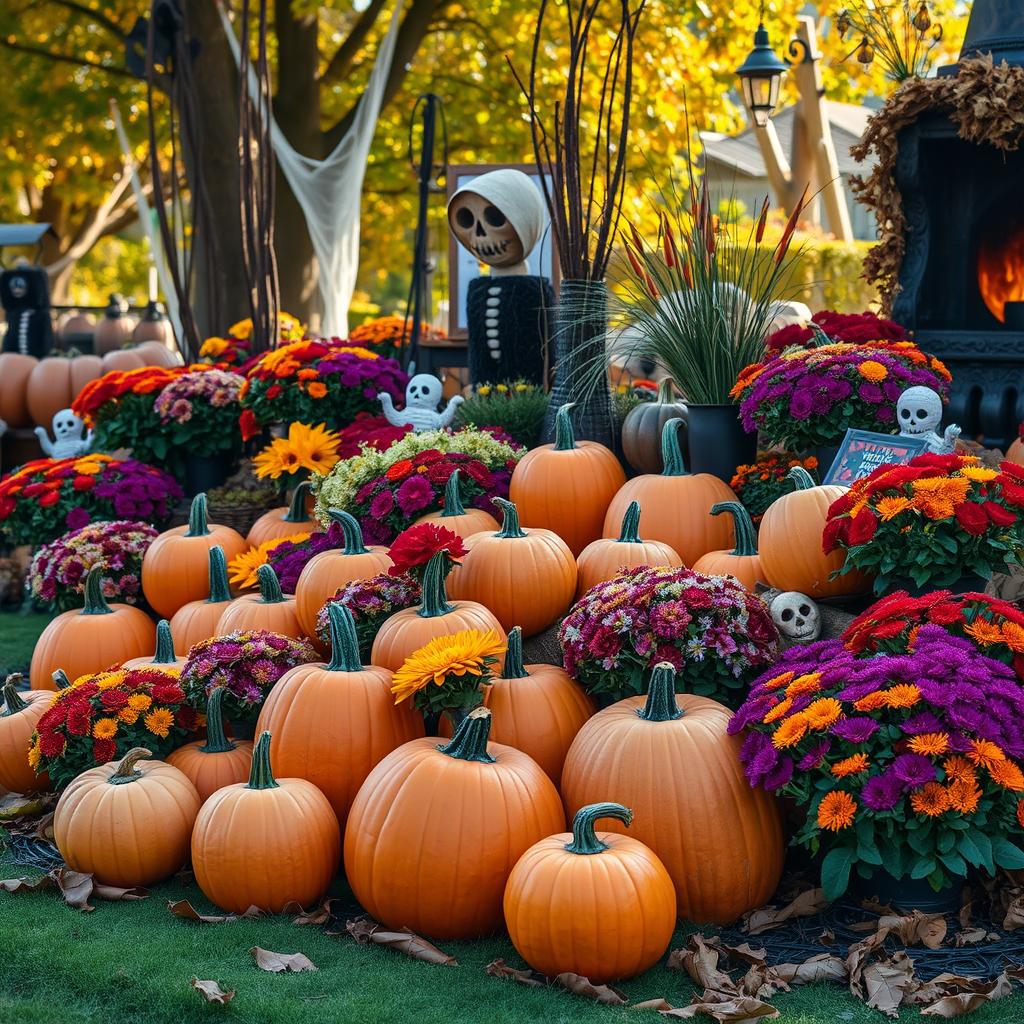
x,y
242,568
104,728
873,371
823,713
358,350
790,732
468,652
836,811
979,474
930,743
903,695
242,329
108,680
985,753
214,347
964,795
140,701
852,765
958,769
128,714
159,721
930,800
890,508
35,755
1007,774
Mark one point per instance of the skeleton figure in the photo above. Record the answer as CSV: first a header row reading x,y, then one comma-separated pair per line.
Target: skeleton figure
x,y
919,412
422,394
796,617
67,437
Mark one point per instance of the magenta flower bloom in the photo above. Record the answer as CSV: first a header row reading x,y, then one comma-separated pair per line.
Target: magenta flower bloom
x,y
881,792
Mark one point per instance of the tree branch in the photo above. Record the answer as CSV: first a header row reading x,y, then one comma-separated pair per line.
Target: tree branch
x,y
339,66
64,58
98,17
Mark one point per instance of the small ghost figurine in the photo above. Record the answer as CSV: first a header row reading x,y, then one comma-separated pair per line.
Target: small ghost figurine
x,y
796,617
422,394
919,412
67,437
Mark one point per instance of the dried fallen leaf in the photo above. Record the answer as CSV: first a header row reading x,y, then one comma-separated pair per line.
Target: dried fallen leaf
x,y
16,805
915,927
276,963
44,827
661,1005
699,959
888,982
184,909
75,886
315,915
822,967
734,1009
964,1002
116,892
212,992
14,885
972,936
808,903
580,986
827,937
499,969
1014,918
365,930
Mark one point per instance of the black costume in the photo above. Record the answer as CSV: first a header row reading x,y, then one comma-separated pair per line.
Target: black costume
x,y
25,296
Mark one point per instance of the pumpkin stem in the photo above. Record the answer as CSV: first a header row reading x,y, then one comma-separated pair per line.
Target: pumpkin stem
x,y
510,528
746,539
514,668
219,589
270,585
297,506
126,770
95,602
803,480
630,532
344,645
198,525
216,740
351,530
12,700
434,601
584,839
260,775
60,679
470,740
661,705
164,654
565,438
452,502
666,391
671,453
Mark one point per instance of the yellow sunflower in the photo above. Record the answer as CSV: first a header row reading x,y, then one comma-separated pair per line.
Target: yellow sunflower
x,y
316,447
242,568
468,652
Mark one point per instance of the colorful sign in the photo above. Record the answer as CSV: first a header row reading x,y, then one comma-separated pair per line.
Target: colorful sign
x,y
862,452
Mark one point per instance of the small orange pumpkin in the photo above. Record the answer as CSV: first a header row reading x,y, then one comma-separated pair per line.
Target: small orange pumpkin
x,y
743,562
525,577
1015,453
175,568
18,719
164,654
198,620
270,609
15,370
279,523
455,516
566,486
601,559
55,382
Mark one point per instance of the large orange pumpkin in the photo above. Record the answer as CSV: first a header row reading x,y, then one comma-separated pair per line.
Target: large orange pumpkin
x,y
270,609
215,762
1015,453
790,541
592,903
265,843
156,353
676,505
55,382
199,620
566,486
21,712
743,562
163,655
411,628
525,577
671,760
15,370
435,831
91,638
127,823
331,724
325,574
175,568
279,523
601,559
455,517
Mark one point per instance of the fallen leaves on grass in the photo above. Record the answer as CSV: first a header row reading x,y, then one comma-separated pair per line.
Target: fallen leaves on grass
x,y
725,1008
805,904
277,963
17,805
584,987
366,931
184,909
315,915
76,887
212,992
499,969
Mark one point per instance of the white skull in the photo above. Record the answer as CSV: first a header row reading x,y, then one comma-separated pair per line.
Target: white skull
x,y
67,426
796,616
919,411
423,392
485,231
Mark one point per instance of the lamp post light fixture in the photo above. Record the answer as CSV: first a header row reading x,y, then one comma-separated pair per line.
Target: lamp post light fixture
x,y
760,77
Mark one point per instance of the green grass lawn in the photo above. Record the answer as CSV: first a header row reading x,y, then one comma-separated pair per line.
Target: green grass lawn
x,y
18,635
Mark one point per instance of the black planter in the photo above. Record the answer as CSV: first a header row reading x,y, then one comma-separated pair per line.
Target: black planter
x,y
205,472
907,894
826,455
964,585
717,441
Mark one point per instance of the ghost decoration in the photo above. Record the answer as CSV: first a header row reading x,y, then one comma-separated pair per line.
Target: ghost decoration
x,y
918,413
422,394
796,617
68,441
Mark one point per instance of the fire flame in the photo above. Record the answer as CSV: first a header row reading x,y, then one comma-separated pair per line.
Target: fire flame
x,y
1001,272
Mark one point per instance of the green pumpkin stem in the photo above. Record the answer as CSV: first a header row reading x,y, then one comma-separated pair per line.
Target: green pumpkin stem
x,y
260,775
746,538
801,478
198,522
95,602
671,453
565,438
661,705
344,645
452,502
630,532
351,530
584,839
470,740
126,770
514,668
435,596
510,528
164,654
220,592
60,679
12,699
270,585
666,391
297,506
216,739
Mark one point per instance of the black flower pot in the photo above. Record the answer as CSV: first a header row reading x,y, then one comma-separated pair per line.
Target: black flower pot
x,y
826,455
205,472
717,441
964,585
907,893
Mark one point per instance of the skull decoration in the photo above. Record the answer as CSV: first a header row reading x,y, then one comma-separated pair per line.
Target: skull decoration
x,y
67,436
19,287
485,231
422,394
919,412
796,616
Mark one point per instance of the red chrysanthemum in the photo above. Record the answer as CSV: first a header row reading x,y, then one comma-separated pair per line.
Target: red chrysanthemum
x,y
415,547
972,518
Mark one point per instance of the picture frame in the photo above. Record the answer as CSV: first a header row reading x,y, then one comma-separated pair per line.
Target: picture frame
x,y
863,451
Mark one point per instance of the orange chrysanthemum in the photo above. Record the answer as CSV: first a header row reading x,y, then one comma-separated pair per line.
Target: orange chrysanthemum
x,y
871,701
159,721
1020,813
959,769
964,795
930,800
1013,636
823,713
836,811
873,371
984,632
890,508
781,680
938,497
1007,774
985,753
777,712
930,743
903,695
809,683
790,732
852,765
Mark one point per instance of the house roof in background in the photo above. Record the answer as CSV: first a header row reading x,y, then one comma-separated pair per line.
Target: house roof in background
x,y
23,234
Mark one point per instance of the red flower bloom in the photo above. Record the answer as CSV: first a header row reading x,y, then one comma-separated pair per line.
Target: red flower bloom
x,y
400,470
48,499
1000,516
835,533
248,424
273,391
841,505
104,751
414,547
114,699
945,614
51,744
862,528
168,693
84,483
79,718
972,518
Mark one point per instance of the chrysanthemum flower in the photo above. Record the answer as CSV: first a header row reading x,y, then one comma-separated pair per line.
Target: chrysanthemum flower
x,y
808,683
159,721
985,753
836,811
104,728
1007,774
852,765
964,795
931,743
791,732
823,713
959,769
903,695
242,569
468,652
931,800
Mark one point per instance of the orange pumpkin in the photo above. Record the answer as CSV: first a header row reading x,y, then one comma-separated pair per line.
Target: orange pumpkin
x,y
331,724
91,638
1015,453
279,523
215,762
601,559
566,486
164,654
265,843
525,577
127,823
743,562
115,329
156,353
15,370
199,620
325,574
411,628
435,831
671,760
21,712
592,903
269,609
790,541
454,515
54,384
175,568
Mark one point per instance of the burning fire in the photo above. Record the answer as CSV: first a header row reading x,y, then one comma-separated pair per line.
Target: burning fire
x,y
1001,272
